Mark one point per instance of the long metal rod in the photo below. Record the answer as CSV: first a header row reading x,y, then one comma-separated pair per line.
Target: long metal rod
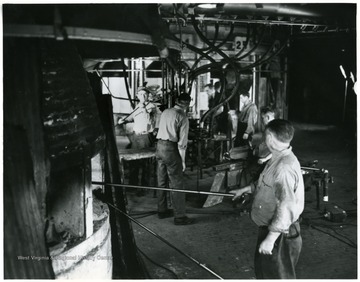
x,y
163,189
166,242
312,168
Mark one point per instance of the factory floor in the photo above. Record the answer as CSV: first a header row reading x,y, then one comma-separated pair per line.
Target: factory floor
x,y
221,242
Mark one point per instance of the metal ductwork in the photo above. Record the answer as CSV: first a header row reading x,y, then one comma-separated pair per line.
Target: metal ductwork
x,y
332,15
271,10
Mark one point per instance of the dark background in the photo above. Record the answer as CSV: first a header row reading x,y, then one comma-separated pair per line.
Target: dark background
x,y
316,84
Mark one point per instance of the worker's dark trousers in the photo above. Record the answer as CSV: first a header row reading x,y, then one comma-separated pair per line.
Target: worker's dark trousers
x,y
170,168
140,168
281,264
239,141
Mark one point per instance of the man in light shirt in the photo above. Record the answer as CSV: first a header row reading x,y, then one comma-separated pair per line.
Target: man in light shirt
x,y
277,205
170,153
145,117
247,119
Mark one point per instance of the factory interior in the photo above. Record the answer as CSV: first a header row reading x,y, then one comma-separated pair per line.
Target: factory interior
x,y
80,197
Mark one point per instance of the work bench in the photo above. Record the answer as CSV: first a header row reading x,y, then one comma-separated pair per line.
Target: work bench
x,y
198,149
133,154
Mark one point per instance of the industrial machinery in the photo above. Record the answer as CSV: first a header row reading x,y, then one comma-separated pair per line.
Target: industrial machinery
x,y
319,178
71,69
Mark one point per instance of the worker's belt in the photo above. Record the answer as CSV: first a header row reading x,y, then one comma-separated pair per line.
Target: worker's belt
x,y
294,230
162,140
141,133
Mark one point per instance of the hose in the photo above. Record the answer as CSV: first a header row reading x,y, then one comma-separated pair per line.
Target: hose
x,y
218,46
231,63
213,47
262,60
255,46
126,84
107,87
195,49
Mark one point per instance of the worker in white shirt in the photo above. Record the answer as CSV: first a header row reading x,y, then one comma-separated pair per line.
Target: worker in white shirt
x,y
145,119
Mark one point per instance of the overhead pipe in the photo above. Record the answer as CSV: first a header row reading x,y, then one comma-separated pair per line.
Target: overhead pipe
x,y
298,10
261,61
215,48
194,49
199,51
266,53
291,10
232,63
206,68
218,46
227,59
203,69
208,49
234,91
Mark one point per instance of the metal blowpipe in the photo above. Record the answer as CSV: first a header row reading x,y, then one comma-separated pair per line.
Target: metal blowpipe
x,y
163,189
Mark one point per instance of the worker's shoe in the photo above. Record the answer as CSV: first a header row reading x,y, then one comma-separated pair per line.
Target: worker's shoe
x,y
165,214
183,220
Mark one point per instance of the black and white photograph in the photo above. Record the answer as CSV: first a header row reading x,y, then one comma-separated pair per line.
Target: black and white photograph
x,y
189,140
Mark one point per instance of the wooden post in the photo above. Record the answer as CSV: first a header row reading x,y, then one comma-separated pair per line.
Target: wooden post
x,y
26,166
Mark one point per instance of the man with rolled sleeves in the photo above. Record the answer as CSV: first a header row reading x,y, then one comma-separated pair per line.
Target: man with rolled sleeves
x,y
144,117
277,205
170,154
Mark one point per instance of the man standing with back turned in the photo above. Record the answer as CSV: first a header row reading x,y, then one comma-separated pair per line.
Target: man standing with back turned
x,y
277,205
170,154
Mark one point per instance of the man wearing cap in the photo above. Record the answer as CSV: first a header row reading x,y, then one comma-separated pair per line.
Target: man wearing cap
x,y
216,118
170,153
277,205
145,119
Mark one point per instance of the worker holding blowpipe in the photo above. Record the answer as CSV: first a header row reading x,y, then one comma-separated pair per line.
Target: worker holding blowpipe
x,y
146,119
277,205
